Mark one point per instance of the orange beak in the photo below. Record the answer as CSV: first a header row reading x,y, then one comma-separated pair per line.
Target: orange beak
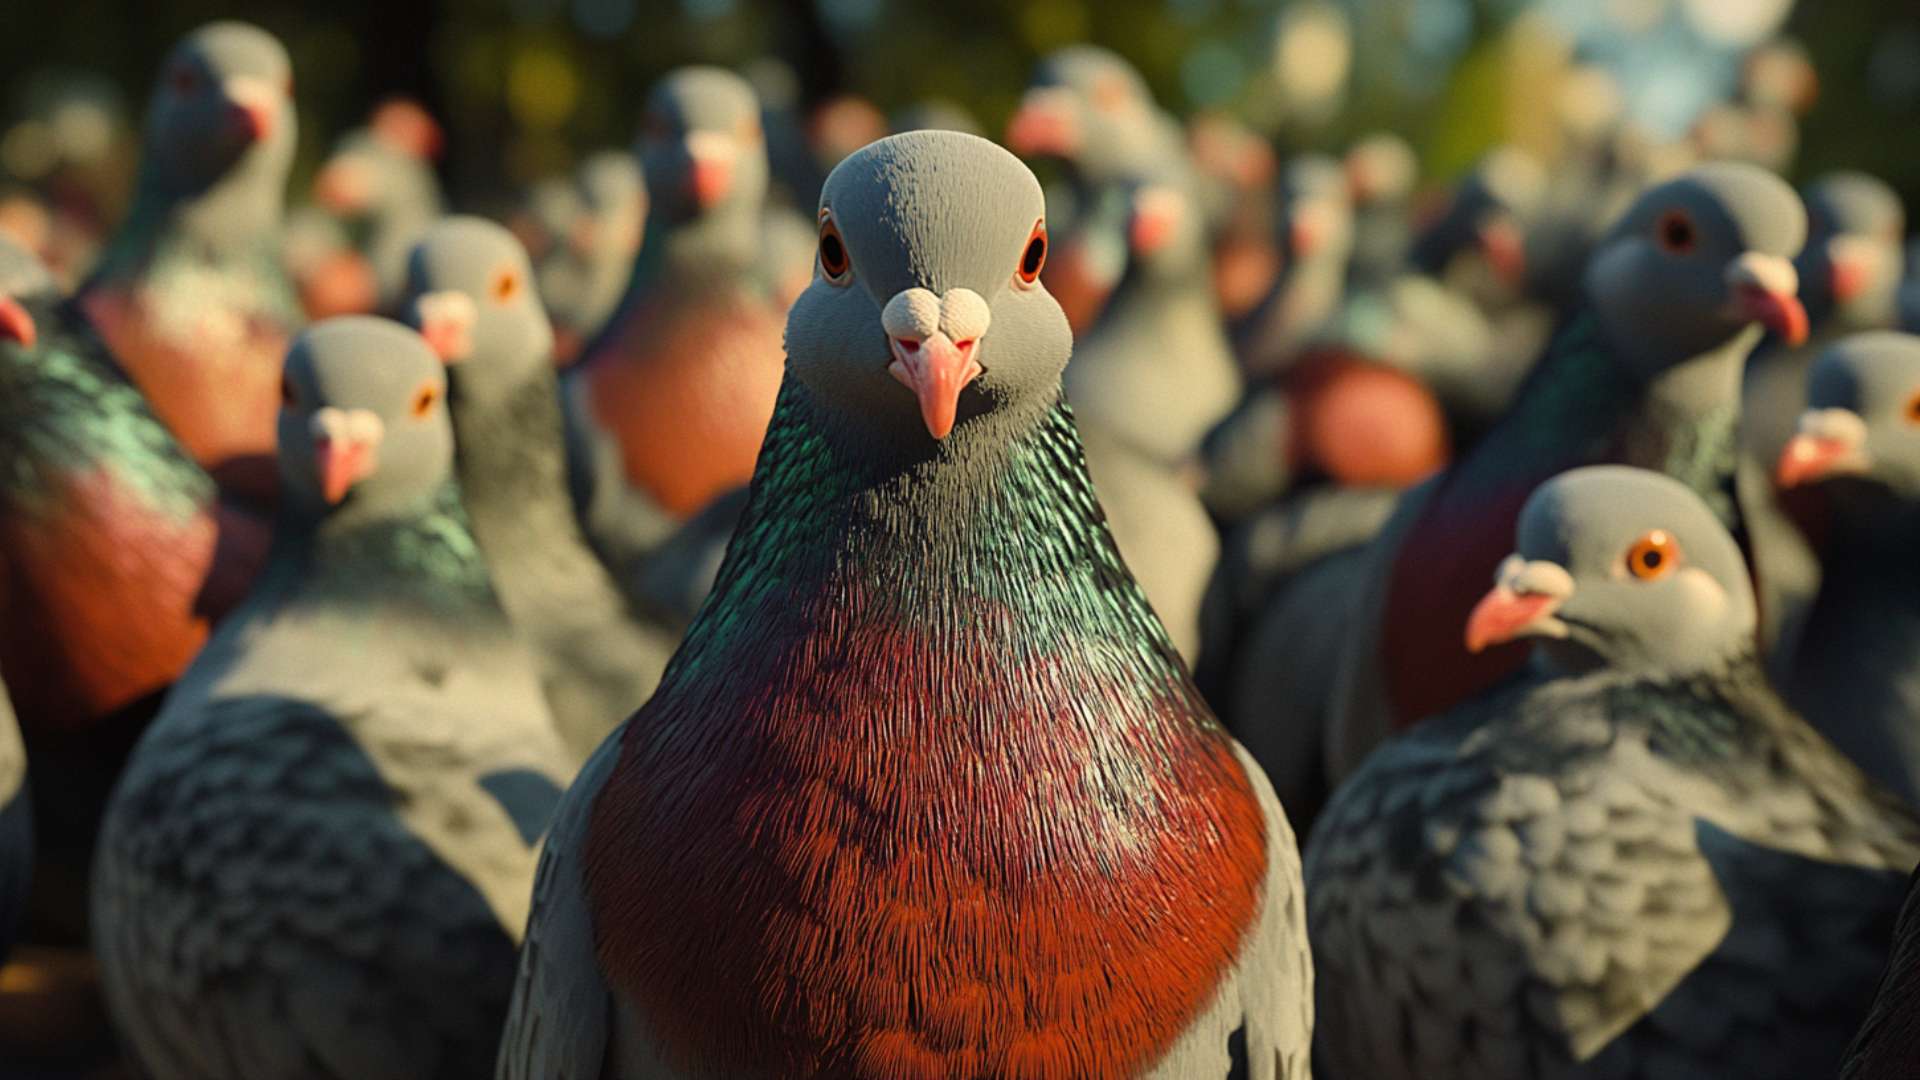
x,y
1848,278
1779,312
1504,614
936,369
16,324
341,463
710,181
1043,127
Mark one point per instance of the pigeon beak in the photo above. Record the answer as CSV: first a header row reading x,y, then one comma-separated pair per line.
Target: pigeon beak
x,y
1849,267
1304,232
1830,442
1045,125
16,324
346,447
445,319
712,174
1522,603
1506,250
252,106
1766,290
935,345
1156,214
343,186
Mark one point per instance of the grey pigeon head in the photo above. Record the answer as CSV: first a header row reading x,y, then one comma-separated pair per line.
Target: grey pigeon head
x,y
1860,435
1487,218
1697,260
223,106
470,294
613,194
1620,568
1088,106
364,432
383,168
1316,212
702,147
1850,270
1382,169
926,313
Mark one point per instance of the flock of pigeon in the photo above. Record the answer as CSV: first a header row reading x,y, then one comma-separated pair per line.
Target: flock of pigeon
x,y
733,641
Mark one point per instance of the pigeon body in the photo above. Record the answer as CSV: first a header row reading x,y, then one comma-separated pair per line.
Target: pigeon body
x,y
16,827
1856,670
470,292
891,910
317,863
1635,861
1646,374
190,295
685,375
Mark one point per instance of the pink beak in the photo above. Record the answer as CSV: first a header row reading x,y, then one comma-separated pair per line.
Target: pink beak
x,y
1781,313
1506,250
341,464
16,324
252,119
936,370
1849,278
1150,231
1808,458
710,181
1041,129
1503,615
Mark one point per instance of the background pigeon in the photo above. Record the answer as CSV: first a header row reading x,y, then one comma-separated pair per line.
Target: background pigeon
x,y
379,180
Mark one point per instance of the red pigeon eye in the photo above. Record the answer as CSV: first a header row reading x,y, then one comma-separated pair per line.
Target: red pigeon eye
x,y
834,262
1675,232
1035,256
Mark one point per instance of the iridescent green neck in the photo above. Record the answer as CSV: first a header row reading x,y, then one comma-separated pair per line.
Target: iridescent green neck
x,y
421,556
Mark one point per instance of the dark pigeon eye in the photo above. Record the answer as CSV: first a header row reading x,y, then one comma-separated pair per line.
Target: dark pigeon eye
x,y
1653,556
833,252
1035,256
423,400
184,80
1676,233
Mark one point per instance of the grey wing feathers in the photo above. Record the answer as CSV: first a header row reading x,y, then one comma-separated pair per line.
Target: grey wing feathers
x,y
1267,1002
558,1027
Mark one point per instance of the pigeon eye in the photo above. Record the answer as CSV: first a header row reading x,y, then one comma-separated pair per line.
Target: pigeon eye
x,y
289,395
654,127
1653,556
1913,408
506,286
183,80
834,262
1676,233
1035,255
423,401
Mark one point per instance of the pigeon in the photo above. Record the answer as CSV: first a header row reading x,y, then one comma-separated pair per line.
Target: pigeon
x,y
470,293
926,731
936,114
190,295
1316,241
380,179
1849,274
1634,861
684,376
1239,169
1856,671
319,860
16,827
1646,373
1150,379
1382,172
582,278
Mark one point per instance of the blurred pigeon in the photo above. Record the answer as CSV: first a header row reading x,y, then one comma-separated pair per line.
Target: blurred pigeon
x,y
921,579
582,277
1646,373
1640,863
1382,170
16,827
379,179
1316,241
318,862
937,114
1856,671
470,293
190,296
1238,169
684,377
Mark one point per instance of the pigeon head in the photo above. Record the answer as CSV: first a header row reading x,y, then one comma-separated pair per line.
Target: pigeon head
x,y
385,165
1697,260
1382,169
1487,219
926,309
1620,568
1086,105
1316,214
223,106
363,420
613,198
26,288
1860,435
701,145
470,294
1166,227
1850,270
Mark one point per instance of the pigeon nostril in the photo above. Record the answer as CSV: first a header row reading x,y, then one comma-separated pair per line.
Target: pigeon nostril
x,y
908,344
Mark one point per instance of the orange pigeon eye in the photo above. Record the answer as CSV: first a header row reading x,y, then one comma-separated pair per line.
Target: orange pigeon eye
x,y
834,262
1034,258
1675,233
1653,556
1913,408
506,286
424,399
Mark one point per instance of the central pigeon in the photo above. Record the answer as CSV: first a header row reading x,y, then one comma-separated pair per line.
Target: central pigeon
x,y
470,292
319,859
190,296
1639,863
1647,373
926,791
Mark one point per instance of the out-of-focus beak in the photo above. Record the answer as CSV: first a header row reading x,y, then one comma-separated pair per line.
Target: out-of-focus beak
x,y
346,449
711,177
934,343
1506,249
1156,214
1830,442
16,324
445,319
1852,262
1308,226
1046,124
253,106
1766,290
1522,603
343,186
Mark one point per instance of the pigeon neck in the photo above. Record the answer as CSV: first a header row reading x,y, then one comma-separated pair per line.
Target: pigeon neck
x,y
238,214
511,458
421,556
723,243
